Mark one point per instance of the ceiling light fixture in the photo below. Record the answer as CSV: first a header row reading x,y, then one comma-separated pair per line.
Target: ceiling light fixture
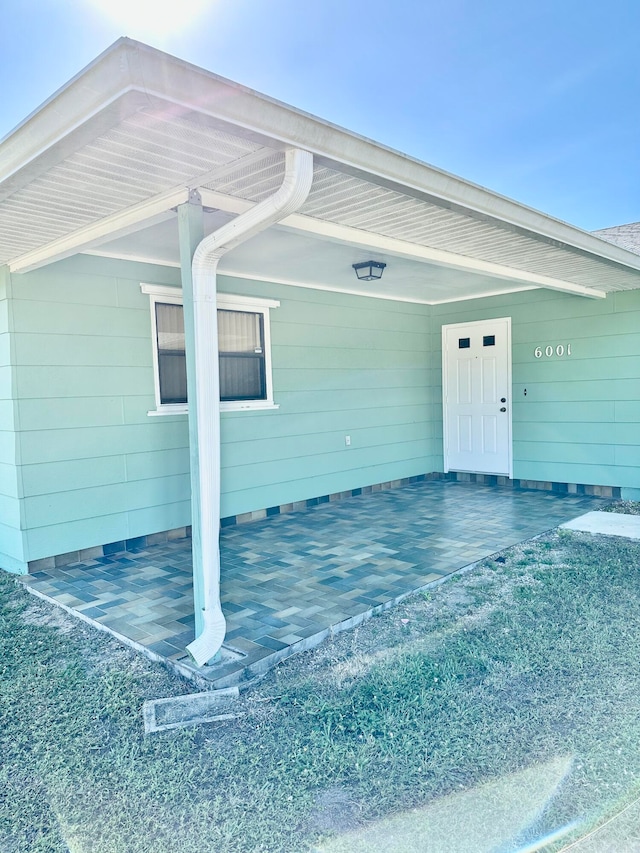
x,y
369,270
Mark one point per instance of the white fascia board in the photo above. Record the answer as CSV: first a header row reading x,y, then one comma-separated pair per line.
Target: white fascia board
x,y
412,251
90,104
151,212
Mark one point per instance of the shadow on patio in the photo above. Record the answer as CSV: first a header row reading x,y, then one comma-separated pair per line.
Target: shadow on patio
x,y
290,580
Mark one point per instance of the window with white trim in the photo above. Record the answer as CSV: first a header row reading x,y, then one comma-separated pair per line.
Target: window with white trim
x,y
244,351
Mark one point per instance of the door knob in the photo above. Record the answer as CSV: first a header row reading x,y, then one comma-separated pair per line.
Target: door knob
x,y
503,408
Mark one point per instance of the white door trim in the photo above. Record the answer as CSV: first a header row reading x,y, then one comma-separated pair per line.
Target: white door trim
x,y
445,386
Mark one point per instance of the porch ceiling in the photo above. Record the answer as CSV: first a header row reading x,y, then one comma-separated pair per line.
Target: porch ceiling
x,y
102,165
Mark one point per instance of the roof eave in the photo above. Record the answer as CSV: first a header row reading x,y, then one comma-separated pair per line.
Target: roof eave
x,y
130,76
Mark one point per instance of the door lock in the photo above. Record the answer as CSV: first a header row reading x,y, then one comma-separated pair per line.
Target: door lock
x,y
503,399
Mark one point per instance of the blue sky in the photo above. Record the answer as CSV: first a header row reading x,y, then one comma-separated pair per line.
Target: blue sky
x,y
537,101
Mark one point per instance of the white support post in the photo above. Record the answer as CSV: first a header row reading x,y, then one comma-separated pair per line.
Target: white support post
x,y
191,232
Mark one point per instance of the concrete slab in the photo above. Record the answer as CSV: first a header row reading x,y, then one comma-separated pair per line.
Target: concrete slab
x,y
607,524
189,710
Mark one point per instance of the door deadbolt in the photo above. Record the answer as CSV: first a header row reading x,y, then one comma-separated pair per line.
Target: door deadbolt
x,y
503,399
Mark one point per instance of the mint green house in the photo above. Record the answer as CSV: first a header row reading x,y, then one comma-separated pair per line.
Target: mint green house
x,y
153,215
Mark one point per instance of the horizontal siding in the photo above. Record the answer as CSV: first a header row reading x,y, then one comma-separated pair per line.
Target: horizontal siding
x,y
572,432
322,483
103,282
107,499
96,468
347,379
324,358
315,337
293,448
604,347
564,472
578,369
579,419
12,550
8,447
573,453
561,412
8,480
51,478
10,511
70,381
75,412
580,388
159,463
69,535
342,365
305,400
64,351
7,415
245,426
45,541
84,382
87,320
6,382
353,460
627,411
54,445
11,521
5,349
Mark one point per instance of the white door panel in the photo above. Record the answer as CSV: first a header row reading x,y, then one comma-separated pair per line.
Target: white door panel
x,y
476,361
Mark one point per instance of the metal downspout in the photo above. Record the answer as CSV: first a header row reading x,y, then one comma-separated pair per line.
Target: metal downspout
x,y
288,198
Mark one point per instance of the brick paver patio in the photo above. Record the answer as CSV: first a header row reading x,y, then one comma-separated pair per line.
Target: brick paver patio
x,y
289,580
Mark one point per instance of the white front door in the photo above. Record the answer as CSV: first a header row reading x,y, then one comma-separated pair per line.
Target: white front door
x,y
476,388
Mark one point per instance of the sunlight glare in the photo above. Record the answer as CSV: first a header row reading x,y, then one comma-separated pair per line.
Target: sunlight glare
x,y
151,18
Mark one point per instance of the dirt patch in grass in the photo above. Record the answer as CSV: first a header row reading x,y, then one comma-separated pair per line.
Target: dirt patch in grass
x,y
527,659
335,810
45,616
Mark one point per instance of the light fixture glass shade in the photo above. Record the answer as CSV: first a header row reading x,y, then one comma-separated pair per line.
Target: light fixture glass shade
x,y
369,270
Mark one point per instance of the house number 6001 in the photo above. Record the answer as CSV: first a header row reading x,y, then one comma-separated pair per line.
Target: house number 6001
x,y
550,351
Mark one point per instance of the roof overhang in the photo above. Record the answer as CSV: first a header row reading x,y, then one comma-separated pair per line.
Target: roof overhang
x,y
106,160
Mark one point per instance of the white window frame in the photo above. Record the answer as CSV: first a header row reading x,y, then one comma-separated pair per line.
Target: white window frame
x,y
227,302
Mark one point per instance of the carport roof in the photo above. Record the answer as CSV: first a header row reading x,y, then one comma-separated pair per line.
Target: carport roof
x,y
102,165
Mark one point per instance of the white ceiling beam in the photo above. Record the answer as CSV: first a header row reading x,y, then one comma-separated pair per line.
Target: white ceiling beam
x,y
150,212
142,215
159,208
412,251
251,160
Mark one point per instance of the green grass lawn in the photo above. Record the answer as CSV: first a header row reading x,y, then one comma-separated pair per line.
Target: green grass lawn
x,y
516,664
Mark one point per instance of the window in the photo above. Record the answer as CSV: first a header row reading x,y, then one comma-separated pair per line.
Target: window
x,y
243,344
241,355
172,365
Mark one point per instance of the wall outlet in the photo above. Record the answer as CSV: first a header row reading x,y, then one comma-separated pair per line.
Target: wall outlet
x,y
347,441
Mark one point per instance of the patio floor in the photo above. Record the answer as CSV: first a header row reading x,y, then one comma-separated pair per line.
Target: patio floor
x,y
290,580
